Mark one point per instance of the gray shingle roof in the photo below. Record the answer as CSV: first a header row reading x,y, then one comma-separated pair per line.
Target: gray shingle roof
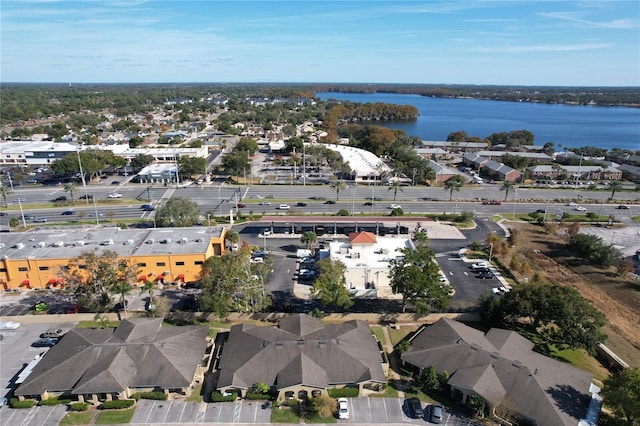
x,y
500,364
300,351
139,353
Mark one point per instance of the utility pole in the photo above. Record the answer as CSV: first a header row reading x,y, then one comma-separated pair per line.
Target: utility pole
x,y
84,183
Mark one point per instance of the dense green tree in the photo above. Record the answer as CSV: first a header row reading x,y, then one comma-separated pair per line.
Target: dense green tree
x,y
330,286
459,136
561,313
415,275
621,393
236,164
140,161
294,143
177,212
593,249
135,141
231,283
430,379
93,162
246,145
93,276
517,162
454,183
191,166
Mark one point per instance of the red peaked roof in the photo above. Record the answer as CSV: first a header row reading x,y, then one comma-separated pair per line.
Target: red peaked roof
x,y
362,237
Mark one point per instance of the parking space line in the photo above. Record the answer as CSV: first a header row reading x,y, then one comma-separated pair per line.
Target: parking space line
x,y
184,405
164,420
369,405
236,412
13,413
150,411
384,404
30,415
219,413
49,415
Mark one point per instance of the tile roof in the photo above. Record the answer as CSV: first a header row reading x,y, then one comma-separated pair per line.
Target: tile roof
x,y
362,237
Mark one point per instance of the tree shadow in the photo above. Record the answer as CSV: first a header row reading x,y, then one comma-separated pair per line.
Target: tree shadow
x,y
569,400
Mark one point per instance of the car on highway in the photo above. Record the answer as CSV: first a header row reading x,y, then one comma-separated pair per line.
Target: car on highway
x,y
284,207
623,207
414,406
99,214
86,197
301,204
60,198
241,205
68,213
41,343
343,408
39,219
115,182
329,202
571,204
368,203
264,203
395,206
9,325
114,195
542,211
3,213
580,209
147,207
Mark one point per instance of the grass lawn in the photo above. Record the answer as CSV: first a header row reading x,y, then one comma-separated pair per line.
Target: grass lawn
x,y
398,335
284,415
378,332
78,418
389,392
108,417
94,324
319,420
412,391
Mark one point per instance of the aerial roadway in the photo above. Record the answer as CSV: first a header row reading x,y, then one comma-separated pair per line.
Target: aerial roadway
x,y
124,201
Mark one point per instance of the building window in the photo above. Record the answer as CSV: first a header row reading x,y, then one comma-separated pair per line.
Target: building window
x,y
142,264
64,268
82,266
179,263
23,269
3,270
198,263
161,264
43,268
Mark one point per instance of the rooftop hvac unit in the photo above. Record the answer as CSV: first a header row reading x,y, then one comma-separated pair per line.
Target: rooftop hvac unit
x,y
166,241
150,241
128,243
18,246
41,244
80,243
355,255
58,244
182,240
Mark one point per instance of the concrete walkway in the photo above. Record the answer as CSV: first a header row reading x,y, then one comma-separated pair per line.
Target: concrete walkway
x,y
393,367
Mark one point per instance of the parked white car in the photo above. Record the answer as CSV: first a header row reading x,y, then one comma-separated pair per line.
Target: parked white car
x,y
114,195
480,265
284,207
395,206
580,209
343,408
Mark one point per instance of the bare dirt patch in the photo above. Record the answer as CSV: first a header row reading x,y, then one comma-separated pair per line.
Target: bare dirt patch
x,y
616,296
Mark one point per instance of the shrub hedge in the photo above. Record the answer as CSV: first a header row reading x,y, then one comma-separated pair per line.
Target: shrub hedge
x,y
156,396
218,397
27,403
54,401
79,406
118,403
343,393
251,395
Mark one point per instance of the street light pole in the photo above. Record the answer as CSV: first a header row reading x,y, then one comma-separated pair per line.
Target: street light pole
x,y
84,182
490,251
24,222
515,203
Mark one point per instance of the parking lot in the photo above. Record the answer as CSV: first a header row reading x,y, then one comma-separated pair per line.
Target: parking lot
x,y
36,416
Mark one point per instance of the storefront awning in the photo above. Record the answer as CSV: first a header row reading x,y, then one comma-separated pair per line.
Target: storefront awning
x,y
160,277
143,277
180,277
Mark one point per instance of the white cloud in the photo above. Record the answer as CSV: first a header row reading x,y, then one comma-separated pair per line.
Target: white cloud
x,y
543,48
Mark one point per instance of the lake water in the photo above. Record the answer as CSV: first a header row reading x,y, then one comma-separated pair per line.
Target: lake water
x,y
568,126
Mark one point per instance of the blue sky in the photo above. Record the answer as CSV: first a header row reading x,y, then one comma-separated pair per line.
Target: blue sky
x,y
575,43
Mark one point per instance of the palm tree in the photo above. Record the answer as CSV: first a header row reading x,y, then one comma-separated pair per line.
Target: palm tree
x,y
70,187
5,191
337,186
148,286
615,186
453,184
232,237
309,238
507,187
395,186
122,288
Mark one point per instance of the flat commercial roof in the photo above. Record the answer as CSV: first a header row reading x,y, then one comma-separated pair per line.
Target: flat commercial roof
x,y
72,242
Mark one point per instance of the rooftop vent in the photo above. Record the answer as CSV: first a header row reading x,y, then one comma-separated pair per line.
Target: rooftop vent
x,y
517,364
475,346
495,355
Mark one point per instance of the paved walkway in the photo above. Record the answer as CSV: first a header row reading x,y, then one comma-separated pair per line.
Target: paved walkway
x,y
393,367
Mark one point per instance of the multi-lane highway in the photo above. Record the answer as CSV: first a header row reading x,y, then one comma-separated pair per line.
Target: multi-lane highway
x,y
221,199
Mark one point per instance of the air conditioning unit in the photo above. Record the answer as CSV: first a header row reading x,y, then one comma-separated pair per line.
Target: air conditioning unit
x,y
166,241
150,241
182,240
80,243
58,244
41,244
18,246
128,243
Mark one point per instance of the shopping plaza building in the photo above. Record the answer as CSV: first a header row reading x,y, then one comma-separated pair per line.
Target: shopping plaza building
x,y
167,255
